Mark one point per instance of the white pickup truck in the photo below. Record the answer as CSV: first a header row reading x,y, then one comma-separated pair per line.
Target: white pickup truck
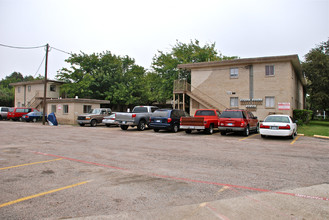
x,y
140,117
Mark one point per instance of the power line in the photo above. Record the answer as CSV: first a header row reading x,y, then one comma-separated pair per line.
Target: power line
x,y
61,50
16,47
39,66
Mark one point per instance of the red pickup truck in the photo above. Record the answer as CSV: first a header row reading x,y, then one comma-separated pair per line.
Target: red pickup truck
x,y
204,119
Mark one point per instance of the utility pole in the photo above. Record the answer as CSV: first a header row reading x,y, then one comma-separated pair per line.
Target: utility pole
x,y
45,88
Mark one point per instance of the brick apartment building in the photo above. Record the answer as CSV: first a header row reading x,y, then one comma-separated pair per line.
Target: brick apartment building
x,y
264,85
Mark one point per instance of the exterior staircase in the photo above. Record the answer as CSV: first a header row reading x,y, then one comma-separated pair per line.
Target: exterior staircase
x,y
183,87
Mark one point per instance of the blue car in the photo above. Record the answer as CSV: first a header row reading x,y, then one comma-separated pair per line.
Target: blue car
x,y
166,119
33,116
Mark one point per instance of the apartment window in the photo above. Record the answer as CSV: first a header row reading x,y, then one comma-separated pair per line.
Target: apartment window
x,y
29,88
86,108
53,108
65,109
18,89
53,88
269,70
234,102
234,73
269,102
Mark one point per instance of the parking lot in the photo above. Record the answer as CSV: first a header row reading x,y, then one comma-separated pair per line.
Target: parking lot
x,y
68,172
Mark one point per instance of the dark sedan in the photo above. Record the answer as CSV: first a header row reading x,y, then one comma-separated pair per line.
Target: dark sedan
x,y
32,116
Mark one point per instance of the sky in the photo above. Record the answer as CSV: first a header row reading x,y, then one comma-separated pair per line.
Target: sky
x,y
139,29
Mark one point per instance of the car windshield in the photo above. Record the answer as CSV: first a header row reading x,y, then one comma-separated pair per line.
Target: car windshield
x,y
282,119
205,112
231,114
161,113
95,111
139,110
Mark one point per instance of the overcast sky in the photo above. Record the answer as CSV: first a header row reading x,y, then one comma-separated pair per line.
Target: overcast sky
x,y
139,28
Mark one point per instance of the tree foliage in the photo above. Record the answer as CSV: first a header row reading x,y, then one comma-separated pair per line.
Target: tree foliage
x,y
165,64
105,76
316,70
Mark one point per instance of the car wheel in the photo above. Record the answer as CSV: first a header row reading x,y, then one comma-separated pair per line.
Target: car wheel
x,y
210,130
257,129
188,131
292,136
175,128
124,127
246,131
141,125
34,120
82,125
156,130
223,133
93,123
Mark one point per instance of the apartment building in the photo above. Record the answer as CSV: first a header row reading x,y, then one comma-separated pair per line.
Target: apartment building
x,y
264,85
31,93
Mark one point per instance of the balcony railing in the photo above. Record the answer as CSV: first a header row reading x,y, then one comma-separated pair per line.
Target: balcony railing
x,y
181,85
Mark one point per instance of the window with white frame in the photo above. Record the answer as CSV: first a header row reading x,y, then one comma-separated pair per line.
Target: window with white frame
x,y
269,102
234,72
234,102
269,70
86,108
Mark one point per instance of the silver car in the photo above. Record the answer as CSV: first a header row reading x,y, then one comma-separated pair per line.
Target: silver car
x,y
110,120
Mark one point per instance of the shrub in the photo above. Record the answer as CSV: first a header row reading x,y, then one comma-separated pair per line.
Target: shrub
x,y
303,116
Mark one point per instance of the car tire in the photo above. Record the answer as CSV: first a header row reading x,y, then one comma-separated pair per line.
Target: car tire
x,y
246,131
257,129
223,133
175,128
292,136
124,127
188,131
210,130
34,120
156,130
93,123
141,125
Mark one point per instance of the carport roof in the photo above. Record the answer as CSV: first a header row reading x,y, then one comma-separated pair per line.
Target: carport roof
x,y
294,59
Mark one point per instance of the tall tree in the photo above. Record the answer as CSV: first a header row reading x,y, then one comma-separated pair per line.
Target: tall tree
x,y
165,64
316,70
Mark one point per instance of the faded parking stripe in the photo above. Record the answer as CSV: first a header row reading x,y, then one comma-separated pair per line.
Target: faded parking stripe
x,y
28,164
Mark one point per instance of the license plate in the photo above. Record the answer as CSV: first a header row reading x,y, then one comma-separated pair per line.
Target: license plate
x,y
274,127
158,121
229,124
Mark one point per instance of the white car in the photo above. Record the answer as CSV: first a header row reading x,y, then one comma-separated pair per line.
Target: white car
x,y
109,120
278,125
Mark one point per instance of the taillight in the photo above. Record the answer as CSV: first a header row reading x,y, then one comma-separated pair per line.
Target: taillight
x,y
242,124
169,120
287,127
264,126
133,115
112,118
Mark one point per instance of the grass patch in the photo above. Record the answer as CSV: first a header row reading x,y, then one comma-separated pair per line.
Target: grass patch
x,y
315,128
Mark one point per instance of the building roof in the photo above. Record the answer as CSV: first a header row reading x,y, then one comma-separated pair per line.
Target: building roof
x,y
249,61
78,100
35,82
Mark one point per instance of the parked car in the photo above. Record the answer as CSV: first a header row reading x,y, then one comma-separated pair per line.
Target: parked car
x,y
278,125
140,117
16,113
166,119
238,120
33,116
3,112
109,120
94,117
204,119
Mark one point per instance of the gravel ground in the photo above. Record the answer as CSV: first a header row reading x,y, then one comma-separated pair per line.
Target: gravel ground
x,y
105,173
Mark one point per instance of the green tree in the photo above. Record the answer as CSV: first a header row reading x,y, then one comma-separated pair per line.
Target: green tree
x,y
104,76
316,70
165,64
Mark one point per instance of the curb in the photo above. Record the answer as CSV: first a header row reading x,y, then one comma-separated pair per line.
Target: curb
x,y
300,135
319,136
